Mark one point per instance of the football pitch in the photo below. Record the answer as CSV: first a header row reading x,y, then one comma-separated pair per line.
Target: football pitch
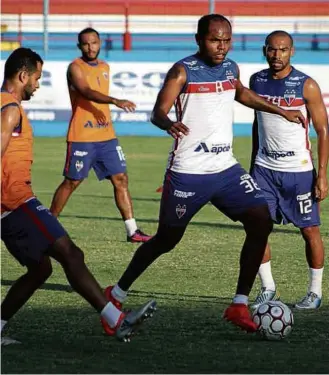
x,y
193,284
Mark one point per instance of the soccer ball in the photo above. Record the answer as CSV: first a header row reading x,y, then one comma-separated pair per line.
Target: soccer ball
x,y
274,320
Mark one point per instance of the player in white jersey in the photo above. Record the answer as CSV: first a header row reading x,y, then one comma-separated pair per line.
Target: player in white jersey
x,y
282,162
201,167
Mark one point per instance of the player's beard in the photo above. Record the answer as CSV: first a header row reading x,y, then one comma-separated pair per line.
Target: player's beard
x,y
87,58
28,92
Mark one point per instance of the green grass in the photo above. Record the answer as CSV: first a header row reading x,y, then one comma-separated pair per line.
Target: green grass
x,y
193,284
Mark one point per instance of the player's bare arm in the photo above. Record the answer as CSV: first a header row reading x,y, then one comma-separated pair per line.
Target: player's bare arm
x,y
254,137
318,112
250,99
172,86
77,79
255,143
10,118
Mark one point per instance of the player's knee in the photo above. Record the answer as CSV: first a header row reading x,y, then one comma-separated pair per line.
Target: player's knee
x,y
66,252
167,239
42,271
259,221
46,270
75,254
311,233
120,181
71,184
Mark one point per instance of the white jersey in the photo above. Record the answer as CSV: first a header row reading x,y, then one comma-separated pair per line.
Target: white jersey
x,y
205,106
283,145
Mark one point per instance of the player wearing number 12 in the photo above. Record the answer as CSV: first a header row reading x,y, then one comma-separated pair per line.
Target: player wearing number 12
x,y
282,162
91,140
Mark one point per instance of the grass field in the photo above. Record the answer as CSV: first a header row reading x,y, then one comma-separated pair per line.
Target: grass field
x,y
193,284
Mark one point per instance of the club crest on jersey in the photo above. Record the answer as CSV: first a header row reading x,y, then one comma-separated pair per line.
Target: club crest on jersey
x,y
105,75
180,210
78,165
289,97
230,77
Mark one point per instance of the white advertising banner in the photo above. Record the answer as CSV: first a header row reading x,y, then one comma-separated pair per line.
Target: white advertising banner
x,y
139,82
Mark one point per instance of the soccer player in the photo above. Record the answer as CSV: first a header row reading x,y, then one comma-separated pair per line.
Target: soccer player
x,y
30,232
91,140
282,162
201,166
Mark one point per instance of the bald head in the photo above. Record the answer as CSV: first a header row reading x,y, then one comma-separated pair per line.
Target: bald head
x,y
280,34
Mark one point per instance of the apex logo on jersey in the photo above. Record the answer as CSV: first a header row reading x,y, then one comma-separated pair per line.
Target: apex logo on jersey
x,y
215,148
180,210
289,96
277,154
78,165
101,124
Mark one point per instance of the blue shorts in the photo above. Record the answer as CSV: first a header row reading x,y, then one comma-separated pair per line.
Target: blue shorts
x,y
289,195
232,191
29,231
106,158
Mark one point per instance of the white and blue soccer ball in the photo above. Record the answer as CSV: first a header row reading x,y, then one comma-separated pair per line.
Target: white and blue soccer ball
x,y
274,320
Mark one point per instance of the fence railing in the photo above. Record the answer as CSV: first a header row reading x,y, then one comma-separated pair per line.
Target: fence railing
x,y
171,7
158,24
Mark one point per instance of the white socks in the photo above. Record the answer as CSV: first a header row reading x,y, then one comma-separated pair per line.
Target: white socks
x,y
265,275
315,284
315,277
3,323
111,314
240,298
131,226
119,294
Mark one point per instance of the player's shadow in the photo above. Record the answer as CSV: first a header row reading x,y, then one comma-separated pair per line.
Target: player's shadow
x,y
45,286
93,196
136,293
181,338
139,199
192,223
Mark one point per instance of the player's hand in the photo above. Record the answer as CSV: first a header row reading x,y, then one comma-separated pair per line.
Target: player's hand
x,y
321,188
126,105
178,130
295,116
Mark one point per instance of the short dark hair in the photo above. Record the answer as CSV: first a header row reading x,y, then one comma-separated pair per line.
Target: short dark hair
x,y
21,59
204,22
87,30
278,32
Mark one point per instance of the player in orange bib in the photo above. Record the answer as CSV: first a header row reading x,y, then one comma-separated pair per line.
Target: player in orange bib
x,y
91,140
29,231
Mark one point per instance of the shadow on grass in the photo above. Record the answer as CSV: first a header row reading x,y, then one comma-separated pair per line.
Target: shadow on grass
x,y
182,338
237,226
137,293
